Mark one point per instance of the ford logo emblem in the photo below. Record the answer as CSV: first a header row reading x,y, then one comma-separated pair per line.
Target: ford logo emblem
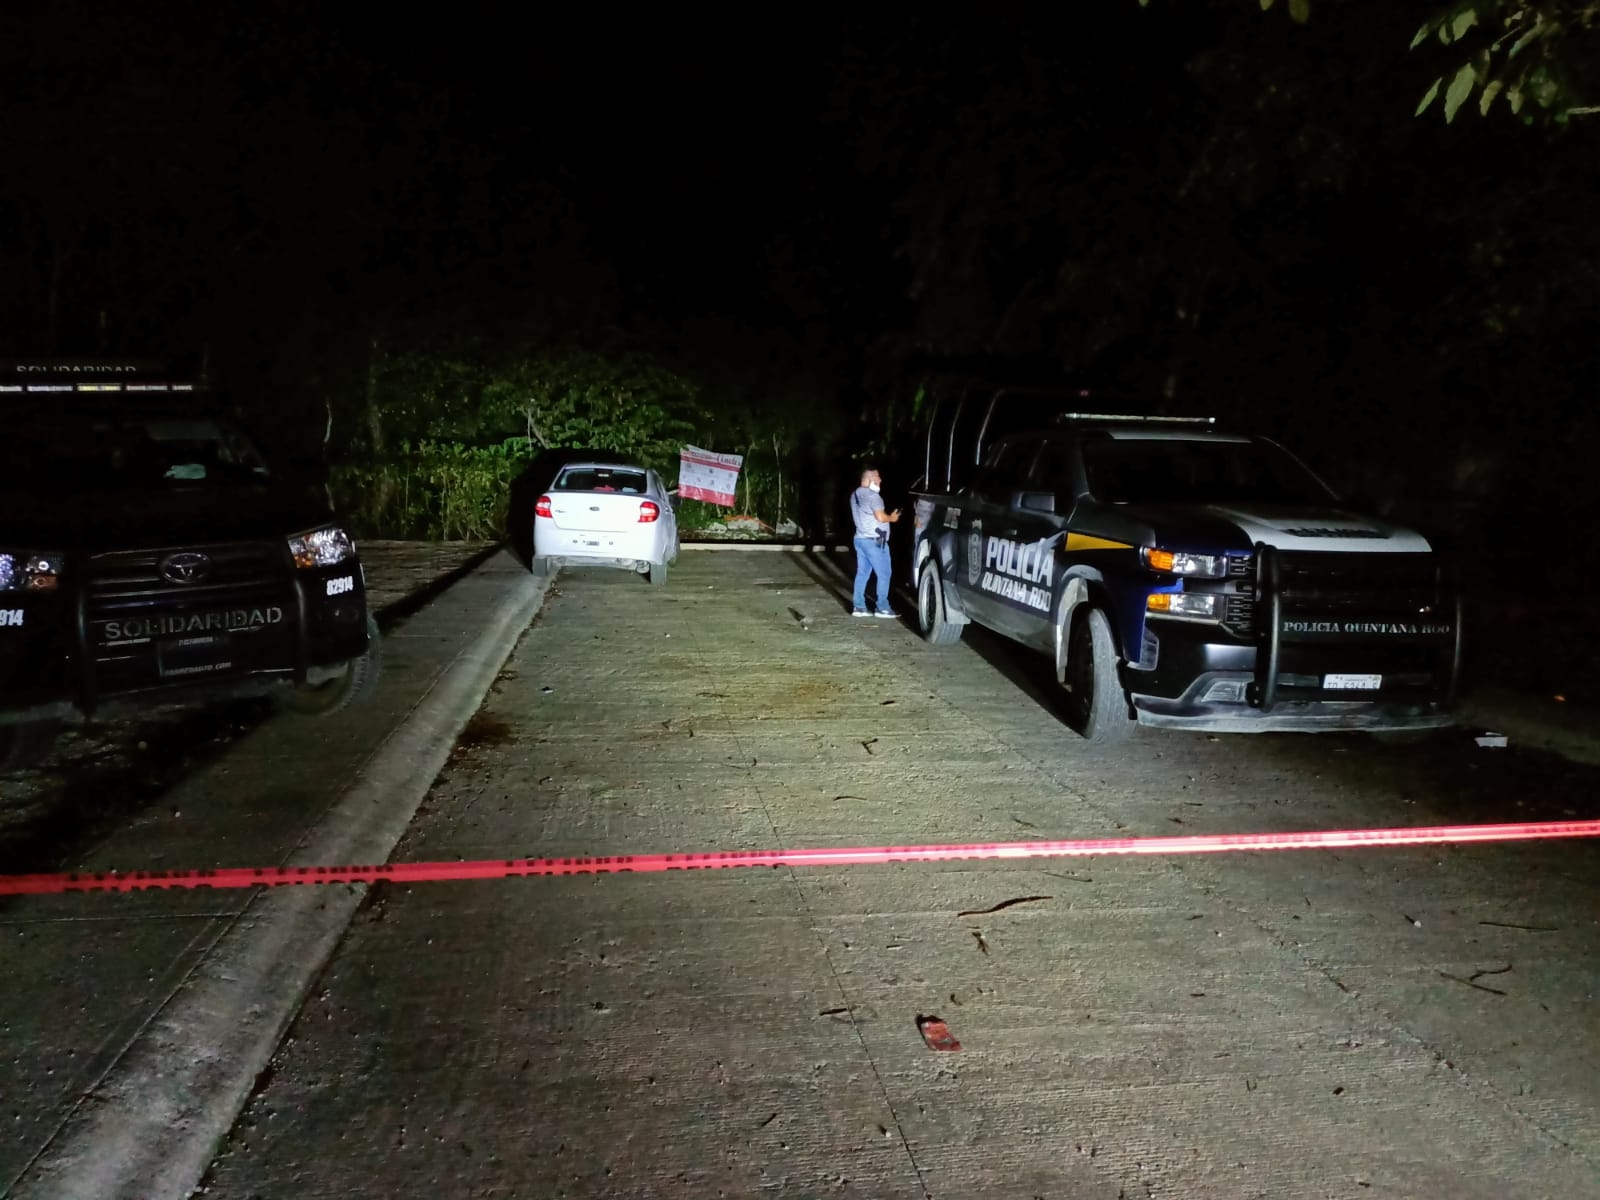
x,y
186,566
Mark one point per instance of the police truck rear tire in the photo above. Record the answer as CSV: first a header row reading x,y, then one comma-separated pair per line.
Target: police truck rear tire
x,y
351,686
1096,704
937,628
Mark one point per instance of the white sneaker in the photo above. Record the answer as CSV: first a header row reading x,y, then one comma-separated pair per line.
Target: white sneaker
x,y
860,612
885,613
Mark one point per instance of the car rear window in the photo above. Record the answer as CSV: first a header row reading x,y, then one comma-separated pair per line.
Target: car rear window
x,y
600,479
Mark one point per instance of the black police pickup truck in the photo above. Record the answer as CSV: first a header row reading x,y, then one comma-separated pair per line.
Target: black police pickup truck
x,y
149,555
1179,576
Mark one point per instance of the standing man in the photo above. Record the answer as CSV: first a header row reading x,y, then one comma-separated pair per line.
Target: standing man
x,y
871,544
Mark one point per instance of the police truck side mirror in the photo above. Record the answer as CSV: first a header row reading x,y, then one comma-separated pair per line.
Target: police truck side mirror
x,y
1044,502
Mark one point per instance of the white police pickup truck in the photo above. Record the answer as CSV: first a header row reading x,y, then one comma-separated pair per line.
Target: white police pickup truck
x,y
1181,576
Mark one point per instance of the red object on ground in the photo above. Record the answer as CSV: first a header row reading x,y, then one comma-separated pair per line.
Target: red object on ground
x,y
937,1034
842,856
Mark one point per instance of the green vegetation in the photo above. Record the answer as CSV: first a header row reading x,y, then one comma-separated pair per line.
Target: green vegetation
x,y
469,428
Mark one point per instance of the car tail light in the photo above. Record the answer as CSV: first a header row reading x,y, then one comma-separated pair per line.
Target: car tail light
x,y
648,511
541,507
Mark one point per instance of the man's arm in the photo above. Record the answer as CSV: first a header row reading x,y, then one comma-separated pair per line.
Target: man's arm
x,y
886,518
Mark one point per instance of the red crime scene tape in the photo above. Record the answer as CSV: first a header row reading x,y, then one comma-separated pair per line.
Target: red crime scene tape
x,y
506,868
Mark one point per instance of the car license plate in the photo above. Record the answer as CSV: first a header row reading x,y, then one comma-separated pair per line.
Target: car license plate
x,y
1352,683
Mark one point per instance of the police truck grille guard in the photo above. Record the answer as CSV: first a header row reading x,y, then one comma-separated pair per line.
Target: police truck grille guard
x,y
121,576
132,601
1301,597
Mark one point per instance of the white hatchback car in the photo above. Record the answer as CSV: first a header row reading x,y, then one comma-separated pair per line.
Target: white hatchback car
x,y
605,514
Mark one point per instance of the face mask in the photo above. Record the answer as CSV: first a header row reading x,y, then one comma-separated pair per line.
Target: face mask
x,y
877,487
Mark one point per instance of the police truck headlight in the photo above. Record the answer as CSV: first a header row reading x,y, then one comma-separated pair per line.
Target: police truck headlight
x,y
325,547
1181,562
1196,606
22,571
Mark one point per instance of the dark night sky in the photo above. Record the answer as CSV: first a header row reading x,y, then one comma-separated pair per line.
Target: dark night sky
x,y
1199,197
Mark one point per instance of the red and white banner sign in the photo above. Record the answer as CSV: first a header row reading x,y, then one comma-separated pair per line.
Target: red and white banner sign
x,y
703,475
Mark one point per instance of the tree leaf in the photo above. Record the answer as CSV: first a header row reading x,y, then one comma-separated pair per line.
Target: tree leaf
x,y
1514,97
1422,35
1464,20
1265,4
1537,30
1490,91
1458,91
1428,98
1300,10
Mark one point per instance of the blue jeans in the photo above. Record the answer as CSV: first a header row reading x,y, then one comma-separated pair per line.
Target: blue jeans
x,y
871,559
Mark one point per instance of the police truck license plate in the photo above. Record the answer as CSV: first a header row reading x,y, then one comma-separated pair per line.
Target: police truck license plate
x,y
1352,683
196,656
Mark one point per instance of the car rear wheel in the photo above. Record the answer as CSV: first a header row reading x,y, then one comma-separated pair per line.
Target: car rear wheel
x,y
1096,705
22,746
351,685
936,626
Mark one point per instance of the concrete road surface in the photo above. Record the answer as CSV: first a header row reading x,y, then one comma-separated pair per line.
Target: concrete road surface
x,y
1403,1023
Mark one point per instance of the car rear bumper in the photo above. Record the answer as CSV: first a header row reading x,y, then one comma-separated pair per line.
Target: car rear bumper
x,y
597,560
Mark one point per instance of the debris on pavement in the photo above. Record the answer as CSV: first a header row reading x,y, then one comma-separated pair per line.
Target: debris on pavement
x,y
1525,928
937,1034
982,945
979,912
1472,980
1492,740
867,744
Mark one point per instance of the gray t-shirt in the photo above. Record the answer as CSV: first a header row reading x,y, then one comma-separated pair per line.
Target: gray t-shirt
x,y
864,504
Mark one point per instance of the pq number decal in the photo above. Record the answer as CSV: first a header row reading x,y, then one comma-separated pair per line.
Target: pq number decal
x,y
341,585
11,616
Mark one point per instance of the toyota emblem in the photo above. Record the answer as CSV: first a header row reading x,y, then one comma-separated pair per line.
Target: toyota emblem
x,y
186,566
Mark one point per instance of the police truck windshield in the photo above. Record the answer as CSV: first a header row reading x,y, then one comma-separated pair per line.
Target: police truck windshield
x,y
1176,470
100,451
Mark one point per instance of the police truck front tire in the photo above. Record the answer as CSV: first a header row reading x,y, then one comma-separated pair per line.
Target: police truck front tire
x,y
350,686
937,628
24,745
1097,707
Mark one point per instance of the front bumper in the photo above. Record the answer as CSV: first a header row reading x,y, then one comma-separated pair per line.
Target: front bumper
x,y
113,643
1286,716
1205,680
